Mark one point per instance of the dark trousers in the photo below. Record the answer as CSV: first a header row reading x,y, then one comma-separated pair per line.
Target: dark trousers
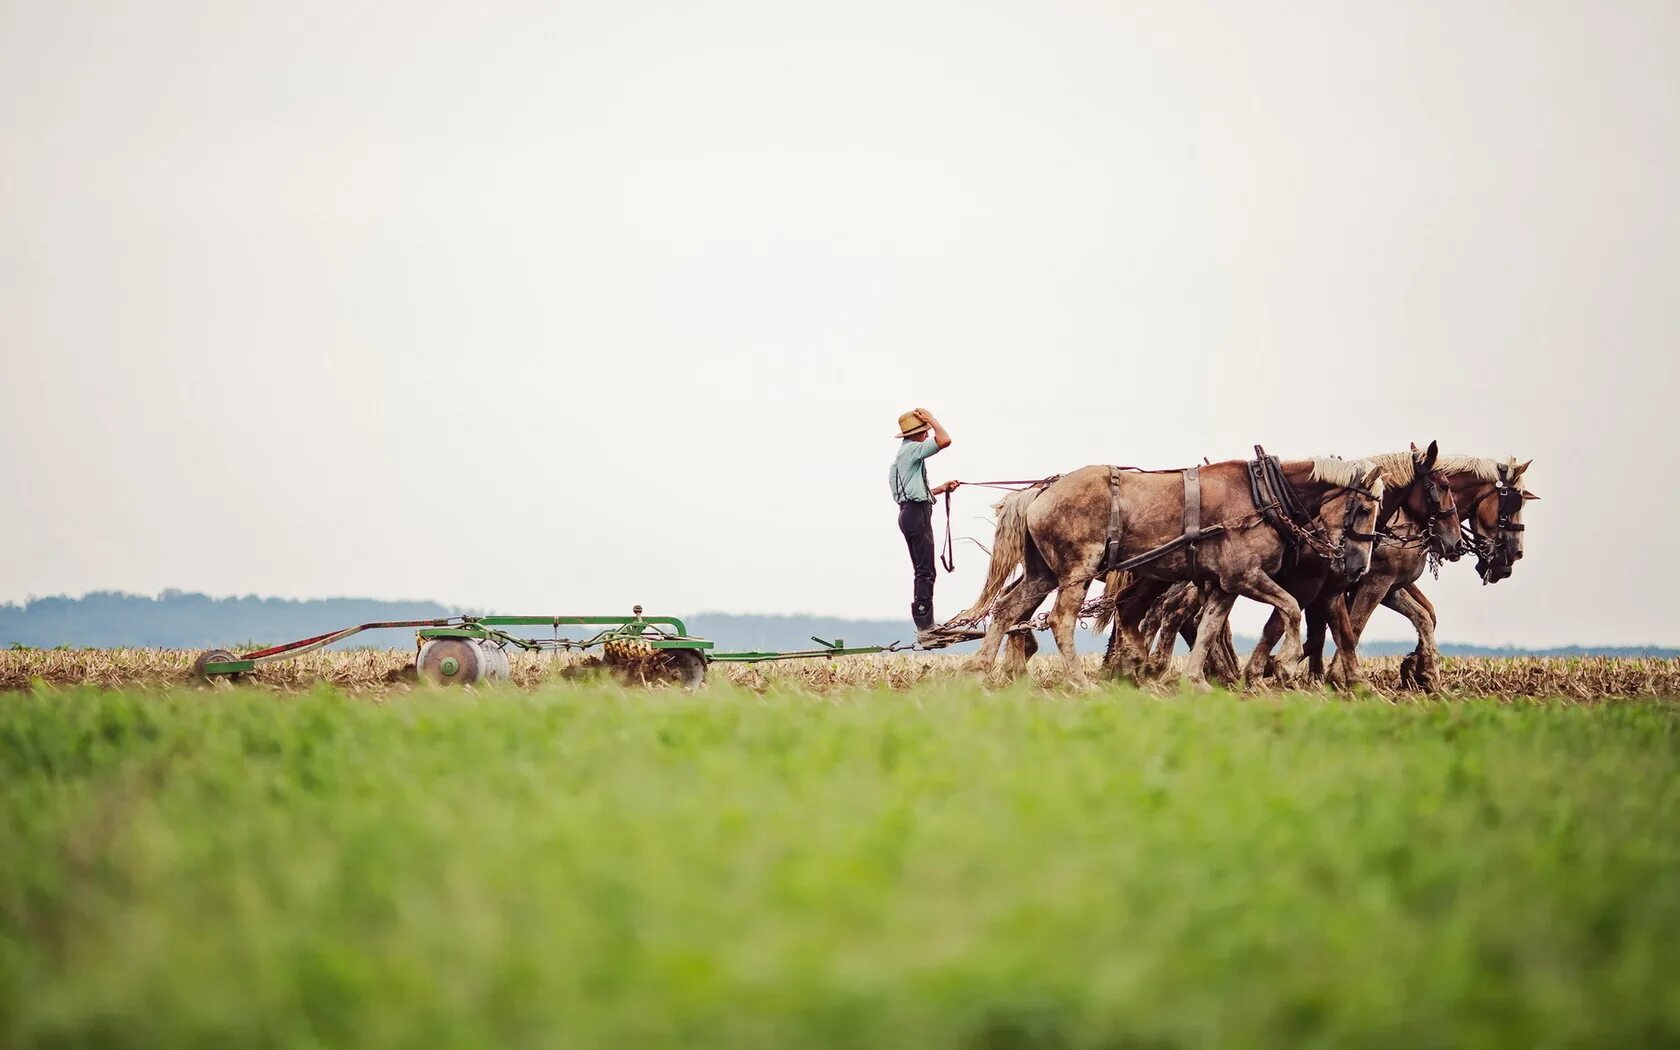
x,y
915,520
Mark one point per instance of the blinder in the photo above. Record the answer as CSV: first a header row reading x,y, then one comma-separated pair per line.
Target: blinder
x,y
1499,552
1348,529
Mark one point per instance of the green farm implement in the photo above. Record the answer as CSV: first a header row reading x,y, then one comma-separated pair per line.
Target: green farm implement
x,y
463,650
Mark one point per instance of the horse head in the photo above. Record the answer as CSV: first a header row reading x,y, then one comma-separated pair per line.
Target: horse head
x,y
1349,513
1428,500
1495,521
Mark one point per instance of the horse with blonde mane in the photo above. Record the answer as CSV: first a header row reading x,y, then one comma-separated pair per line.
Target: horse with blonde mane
x,y
1066,532
1487,493
1418,511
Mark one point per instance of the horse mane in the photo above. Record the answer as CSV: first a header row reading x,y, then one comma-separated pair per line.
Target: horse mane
x,y
1480,467
1399,467
1334,470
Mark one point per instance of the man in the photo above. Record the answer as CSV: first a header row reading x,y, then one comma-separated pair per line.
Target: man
x,y
920,436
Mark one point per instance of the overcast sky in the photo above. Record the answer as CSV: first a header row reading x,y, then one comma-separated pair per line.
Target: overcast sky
x,y
562,307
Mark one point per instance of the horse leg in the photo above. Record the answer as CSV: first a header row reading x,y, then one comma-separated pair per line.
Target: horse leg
x,y
1064,622
1222,657
1215,608
1423,666
1345,628
982,661
1017,606
1018,649
1347,620
1260,663
1262,588
1128,645
1018,602
1317,617
1180,610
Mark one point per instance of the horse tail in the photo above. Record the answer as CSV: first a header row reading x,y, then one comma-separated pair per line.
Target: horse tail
x,y
1009,551
1113,583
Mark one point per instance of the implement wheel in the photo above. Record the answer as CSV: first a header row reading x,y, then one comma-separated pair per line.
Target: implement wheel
x,y
685,667
214,656
460,661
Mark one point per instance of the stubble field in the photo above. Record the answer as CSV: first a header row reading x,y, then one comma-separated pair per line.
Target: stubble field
x,y
381,673
789,861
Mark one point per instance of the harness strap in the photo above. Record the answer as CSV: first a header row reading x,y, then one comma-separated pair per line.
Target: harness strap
x,y
1152,554
1193,529
1193,502
1267,486
1192,513
1282,490
1111,548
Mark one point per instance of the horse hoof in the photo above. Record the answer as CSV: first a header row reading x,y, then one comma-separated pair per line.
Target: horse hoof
x,y
1409,672
1195,683
1291,673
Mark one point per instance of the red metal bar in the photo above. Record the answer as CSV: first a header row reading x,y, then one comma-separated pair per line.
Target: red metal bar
x,y
346,632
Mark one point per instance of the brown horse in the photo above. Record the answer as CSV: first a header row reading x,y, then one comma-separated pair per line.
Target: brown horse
x,y
1418,516
1061,533
1489,494
1424,521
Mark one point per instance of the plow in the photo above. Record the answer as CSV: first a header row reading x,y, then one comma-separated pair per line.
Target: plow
x,y
472,650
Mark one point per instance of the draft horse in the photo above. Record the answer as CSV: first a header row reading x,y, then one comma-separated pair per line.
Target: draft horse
x,y
1100,519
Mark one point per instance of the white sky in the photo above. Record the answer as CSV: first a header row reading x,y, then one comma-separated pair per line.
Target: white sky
x,y
565,306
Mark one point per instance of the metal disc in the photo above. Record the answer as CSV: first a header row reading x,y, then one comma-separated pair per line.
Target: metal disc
x,y
450,661
685,667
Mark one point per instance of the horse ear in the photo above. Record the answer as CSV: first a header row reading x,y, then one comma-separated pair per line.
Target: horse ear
x,y
1517,472
1371,477
1430,456
1529,495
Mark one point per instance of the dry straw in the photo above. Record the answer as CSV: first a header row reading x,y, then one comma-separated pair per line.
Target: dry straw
x,y
378,672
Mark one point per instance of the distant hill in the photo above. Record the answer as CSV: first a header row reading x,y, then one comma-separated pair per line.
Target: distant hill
x,y
180,620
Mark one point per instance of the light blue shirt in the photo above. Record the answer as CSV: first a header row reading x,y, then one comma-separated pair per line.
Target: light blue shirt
x,y
909,470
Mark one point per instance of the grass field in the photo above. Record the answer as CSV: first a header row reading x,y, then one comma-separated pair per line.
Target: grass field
x,y
585,865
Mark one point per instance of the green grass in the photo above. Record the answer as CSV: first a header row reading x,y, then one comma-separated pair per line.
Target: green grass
x,y
595,867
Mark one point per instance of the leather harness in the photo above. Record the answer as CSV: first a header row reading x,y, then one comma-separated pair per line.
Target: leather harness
x,y
1193,531
1274,498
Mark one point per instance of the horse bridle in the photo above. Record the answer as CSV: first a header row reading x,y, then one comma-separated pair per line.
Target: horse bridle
x,y
1429,539
1353,492
1434,495
1500,548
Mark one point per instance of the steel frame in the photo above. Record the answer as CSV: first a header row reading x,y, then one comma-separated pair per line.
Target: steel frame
x,y
656,632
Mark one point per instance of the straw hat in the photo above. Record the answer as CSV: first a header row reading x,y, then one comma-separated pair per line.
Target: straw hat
x,y
910,423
